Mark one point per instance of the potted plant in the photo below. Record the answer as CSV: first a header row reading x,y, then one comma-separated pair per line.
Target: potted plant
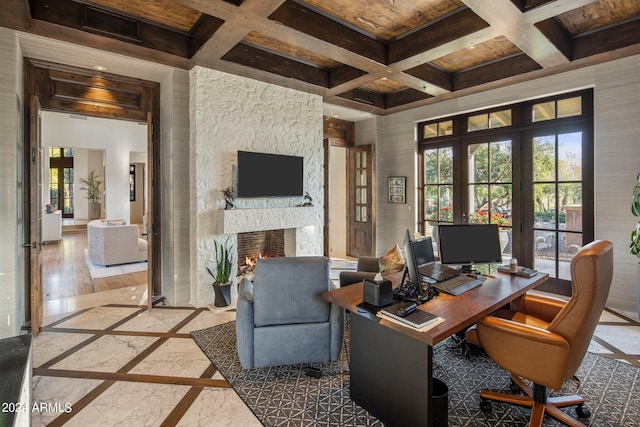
x,y
92,187
222,263
634,247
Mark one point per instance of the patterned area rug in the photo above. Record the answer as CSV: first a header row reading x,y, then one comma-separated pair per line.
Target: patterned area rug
x,y
285,396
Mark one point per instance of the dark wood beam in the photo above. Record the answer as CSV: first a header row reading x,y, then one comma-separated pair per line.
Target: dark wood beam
x,y
459,24
251,56
619,36
203,30
406,96
552,30
433,75
343,74
505,68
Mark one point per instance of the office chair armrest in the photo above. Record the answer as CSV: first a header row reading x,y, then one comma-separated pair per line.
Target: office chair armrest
x,y
527,351
542,307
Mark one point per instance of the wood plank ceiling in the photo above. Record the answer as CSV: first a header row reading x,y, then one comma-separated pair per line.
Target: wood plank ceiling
x,y
380,56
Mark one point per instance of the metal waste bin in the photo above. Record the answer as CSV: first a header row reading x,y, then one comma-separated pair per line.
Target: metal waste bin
x,y
439,404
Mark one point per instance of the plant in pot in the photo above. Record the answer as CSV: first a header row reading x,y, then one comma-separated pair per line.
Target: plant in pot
x,y
634,247
92,187
221,273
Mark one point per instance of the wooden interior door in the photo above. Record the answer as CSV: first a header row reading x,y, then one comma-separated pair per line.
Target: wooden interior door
x,y
361,207
151,227
35,215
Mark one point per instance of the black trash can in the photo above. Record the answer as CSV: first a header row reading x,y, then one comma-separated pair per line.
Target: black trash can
x,y
439,404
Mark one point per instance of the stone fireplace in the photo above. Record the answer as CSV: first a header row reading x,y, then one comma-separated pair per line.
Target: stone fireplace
x,y
255,244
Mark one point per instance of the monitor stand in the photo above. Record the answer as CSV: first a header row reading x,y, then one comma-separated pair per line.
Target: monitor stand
x,y
468,269
407,291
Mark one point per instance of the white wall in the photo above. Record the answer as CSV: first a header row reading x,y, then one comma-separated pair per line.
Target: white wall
x,y
617,132
116,137
231,113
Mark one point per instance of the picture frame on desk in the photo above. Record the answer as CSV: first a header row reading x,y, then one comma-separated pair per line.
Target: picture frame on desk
x,y
397,186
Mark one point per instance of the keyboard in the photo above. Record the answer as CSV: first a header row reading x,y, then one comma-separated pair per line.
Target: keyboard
x,y
457,285
439,272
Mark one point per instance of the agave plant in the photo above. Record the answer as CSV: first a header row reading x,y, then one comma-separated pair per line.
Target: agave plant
x,y
223,260
634,248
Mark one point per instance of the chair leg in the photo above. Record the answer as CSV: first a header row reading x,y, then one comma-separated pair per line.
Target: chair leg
x,y
538,400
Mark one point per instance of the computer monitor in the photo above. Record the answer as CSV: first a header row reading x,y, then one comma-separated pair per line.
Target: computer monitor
x,y
469,244
423,251
412,268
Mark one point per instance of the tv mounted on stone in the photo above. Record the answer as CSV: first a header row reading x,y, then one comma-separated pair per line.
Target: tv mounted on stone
x,y
269,175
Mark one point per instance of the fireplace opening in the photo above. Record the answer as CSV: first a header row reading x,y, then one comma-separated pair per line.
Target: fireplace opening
x,y
258,244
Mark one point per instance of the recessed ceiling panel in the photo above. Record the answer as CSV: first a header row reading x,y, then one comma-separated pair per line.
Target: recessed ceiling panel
x,y
386,19
289,50
384,85
479,54
164,12
598,14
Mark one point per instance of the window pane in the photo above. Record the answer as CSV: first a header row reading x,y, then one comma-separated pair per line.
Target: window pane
x,y
358,162
358,215
364,214
445,128
545,252
570,107
446,203
570,157
479,122
364,159
431,166
568,246
571,199
500,119
501,161
544,168
545,206
446,165
501,205
478,163
544,111
431,202
67,152
431,131
363,178
479,204
54,152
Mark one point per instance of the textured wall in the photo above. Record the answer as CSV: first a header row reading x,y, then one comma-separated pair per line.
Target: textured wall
x,y
230,113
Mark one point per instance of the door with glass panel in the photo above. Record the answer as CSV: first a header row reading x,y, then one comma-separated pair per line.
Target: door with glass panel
x,y
438,201
555,200
489,188
361,209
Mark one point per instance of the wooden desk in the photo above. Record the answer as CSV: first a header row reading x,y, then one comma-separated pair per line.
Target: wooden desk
x,y
391,365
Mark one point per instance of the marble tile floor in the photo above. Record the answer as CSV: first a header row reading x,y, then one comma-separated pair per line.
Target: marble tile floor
x,y
119,364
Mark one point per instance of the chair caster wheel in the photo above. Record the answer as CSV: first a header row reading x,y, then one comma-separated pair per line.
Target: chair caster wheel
x,y
485,406
582,411
513,387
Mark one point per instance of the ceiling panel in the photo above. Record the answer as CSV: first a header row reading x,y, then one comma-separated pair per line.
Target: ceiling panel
x,y
292,51
482,53
599,14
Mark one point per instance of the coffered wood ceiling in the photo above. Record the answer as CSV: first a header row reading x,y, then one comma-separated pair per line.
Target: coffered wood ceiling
x,y
380,56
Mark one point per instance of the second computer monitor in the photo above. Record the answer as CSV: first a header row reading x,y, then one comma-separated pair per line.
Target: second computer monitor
x,y
469,244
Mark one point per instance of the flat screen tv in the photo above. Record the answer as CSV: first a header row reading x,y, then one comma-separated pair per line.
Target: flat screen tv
x,y
269,175
469,244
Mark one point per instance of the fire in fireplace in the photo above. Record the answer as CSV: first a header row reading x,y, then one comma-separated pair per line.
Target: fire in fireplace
x,y
258,244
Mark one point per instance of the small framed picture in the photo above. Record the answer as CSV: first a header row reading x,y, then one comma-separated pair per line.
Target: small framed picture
x,y
397,189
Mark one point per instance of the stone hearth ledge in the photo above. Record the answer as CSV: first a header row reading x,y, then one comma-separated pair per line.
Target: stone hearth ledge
x,y
234,221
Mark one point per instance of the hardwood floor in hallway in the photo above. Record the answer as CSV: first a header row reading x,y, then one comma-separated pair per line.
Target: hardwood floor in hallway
x,y
65,272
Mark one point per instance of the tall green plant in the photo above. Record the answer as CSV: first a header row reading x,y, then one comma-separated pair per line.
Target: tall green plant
x,y
223,260
634,248
92,187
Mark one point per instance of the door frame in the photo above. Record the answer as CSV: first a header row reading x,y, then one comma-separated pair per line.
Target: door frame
x,y
115,97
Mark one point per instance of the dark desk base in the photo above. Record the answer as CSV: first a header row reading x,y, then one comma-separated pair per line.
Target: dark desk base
x,y
391,374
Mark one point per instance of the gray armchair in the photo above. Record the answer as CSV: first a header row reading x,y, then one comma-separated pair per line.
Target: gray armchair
x,y
281,317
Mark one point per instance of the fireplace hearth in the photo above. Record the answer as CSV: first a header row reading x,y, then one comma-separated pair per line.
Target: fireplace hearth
x,y
258,244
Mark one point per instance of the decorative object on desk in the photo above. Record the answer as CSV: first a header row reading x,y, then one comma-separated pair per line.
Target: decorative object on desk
x,y
392,261
378,291
513,265
397,189
308,201
228,198
49,208
92,187
222,273
275,394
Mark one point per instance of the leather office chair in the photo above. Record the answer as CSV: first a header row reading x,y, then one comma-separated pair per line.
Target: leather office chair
x,y
282,318
366,268
544,339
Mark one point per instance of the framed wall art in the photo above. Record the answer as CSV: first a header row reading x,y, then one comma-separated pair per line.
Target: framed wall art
x,y
397,189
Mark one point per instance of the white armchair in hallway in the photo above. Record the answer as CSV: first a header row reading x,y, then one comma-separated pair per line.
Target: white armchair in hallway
x,y
111,242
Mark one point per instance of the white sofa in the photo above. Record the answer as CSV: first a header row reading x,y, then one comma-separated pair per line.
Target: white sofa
x,y
113,242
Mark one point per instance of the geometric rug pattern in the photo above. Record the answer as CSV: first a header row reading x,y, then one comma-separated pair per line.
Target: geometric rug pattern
x,y
285,396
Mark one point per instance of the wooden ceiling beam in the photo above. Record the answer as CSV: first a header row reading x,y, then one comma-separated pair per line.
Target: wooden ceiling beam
x,y
505,17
